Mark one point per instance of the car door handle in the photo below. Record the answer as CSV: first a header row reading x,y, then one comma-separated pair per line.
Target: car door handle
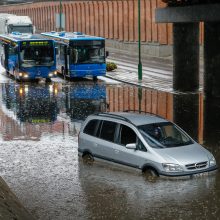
x,y
117,151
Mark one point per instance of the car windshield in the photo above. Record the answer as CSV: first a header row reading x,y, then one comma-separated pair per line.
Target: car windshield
x,y
164,135
37,55
87,52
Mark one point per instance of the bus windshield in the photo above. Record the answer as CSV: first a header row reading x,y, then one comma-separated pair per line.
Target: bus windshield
x,y
20,28
91,51
37,54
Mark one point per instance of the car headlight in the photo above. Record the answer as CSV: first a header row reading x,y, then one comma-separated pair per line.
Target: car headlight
x,y
212,162
171,167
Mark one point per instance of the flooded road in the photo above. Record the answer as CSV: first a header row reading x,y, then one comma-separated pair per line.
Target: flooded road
x,y
39,125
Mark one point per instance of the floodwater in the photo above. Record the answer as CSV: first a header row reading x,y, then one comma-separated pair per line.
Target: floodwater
x,y
39,124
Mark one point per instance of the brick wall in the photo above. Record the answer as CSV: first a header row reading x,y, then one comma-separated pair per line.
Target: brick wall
x,y
143,99
114,19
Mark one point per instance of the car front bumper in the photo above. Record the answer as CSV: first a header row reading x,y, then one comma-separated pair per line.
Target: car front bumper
x,y
188,173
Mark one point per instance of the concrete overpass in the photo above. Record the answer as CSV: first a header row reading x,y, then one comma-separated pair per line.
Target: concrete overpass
x,y
186,33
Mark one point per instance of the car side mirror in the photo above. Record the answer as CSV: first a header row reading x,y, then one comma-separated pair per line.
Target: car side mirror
x,y
131,146
106,53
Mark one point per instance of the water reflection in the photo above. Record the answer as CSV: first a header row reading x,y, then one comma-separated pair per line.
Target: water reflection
x,y
122,98
113,192
211,124
33,104
186,112
85,99
35,111
29,111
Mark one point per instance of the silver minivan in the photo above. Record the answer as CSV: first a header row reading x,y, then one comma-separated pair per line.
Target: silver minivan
x,y
146,142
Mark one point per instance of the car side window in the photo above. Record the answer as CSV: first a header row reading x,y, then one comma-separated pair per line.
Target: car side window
x,y
127,135
91,127
108,130
140,146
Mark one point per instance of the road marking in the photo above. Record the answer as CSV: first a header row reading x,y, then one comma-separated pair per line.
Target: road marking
x,y
146,70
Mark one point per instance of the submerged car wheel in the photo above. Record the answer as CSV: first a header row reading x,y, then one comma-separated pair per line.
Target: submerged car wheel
x,y
150,173
88,158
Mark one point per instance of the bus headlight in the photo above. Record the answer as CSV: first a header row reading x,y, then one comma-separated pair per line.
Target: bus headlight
x,y
20,74
21,91
26,88
25,75
51,88
55,91
54,73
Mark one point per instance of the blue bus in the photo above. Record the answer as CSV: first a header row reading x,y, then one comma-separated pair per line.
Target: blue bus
x,y
27,56
79,55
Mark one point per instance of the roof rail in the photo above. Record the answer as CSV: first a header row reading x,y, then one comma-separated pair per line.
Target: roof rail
x,y
153,114
106,114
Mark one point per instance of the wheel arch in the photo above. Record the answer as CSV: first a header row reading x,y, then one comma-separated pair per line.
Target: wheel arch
x,y
86,151
150,167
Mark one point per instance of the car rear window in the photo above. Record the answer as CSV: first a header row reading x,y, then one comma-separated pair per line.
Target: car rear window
x,y
91,127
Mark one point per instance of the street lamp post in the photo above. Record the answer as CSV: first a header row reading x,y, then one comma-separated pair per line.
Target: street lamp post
x,y
139,42
60,15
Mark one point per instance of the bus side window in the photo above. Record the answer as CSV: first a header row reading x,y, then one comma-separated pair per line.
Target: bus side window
x,y
56,50
1,48
2,53
62,52
74,55
11,51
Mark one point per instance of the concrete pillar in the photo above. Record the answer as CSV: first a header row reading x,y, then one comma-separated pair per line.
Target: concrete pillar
x,y
212,58
186,56
186,113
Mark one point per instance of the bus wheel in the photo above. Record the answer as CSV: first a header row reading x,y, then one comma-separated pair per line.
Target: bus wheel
x,y
62,71
48,80
95,78
17,79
